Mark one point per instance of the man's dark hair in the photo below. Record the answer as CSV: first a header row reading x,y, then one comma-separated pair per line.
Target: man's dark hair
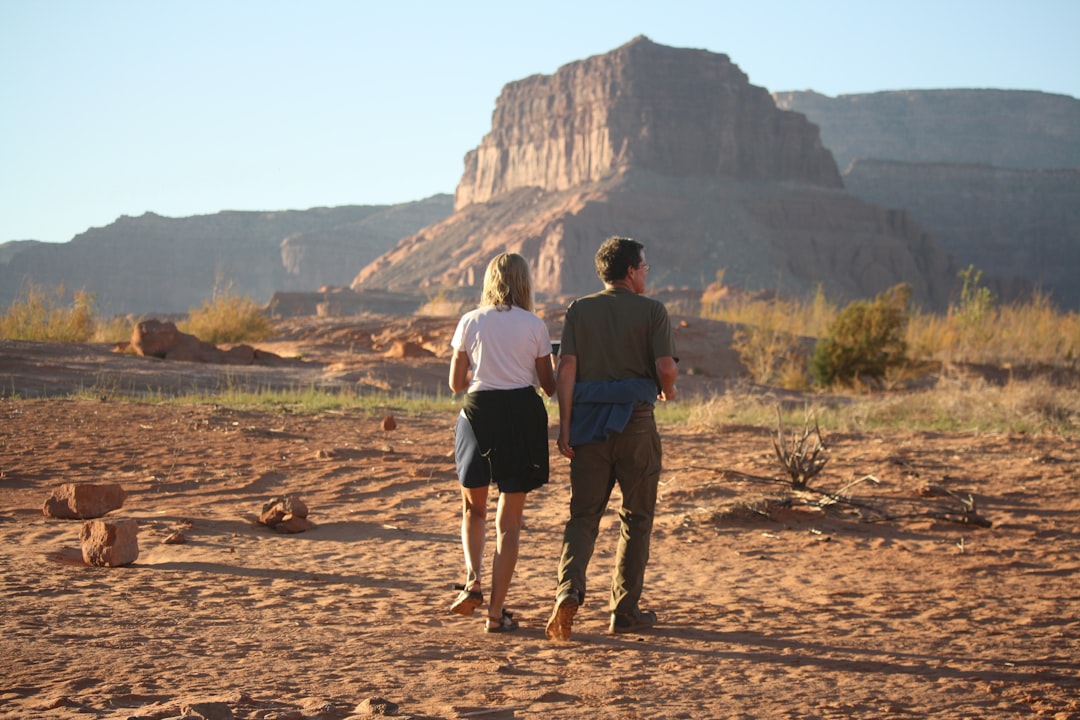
x,y
615,258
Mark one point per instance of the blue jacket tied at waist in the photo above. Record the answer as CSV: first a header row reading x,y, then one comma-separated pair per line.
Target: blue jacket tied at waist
x,y
604,407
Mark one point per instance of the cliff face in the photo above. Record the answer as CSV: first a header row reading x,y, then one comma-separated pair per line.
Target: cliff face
x,y
671,111
675,148
993,175
1021,228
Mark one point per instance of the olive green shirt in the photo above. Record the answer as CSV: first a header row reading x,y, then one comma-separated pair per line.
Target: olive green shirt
x,y
617,334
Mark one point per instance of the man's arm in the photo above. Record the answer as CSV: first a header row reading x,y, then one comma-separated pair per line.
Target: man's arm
x,y
667,371
565,379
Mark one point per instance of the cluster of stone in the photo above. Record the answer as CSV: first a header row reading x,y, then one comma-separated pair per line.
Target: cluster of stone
x,y
114,542
105,543
286,514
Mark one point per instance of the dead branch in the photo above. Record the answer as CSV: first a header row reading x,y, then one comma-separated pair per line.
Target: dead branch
x,y
803,457
875,509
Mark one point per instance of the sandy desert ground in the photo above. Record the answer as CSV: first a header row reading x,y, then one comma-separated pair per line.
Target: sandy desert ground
x,y
771,606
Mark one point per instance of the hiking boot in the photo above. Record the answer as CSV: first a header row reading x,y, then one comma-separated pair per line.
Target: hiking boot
x,y
632,622
562,616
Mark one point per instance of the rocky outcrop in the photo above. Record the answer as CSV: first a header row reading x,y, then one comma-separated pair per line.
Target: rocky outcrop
x,y
332,301
163,340
671,111
1004,128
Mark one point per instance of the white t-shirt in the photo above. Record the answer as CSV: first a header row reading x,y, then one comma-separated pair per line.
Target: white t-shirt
x,y
502,346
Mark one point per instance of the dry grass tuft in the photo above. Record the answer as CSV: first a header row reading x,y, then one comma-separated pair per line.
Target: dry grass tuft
x,y
49,316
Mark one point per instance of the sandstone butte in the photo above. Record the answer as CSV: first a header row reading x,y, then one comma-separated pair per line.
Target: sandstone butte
x,y
676,148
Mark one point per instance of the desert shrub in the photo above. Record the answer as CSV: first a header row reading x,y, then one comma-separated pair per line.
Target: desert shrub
x,y
227,318
48,316
973,314
957,403
864,340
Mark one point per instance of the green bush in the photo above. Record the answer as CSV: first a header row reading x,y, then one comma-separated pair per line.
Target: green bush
x,y
864,340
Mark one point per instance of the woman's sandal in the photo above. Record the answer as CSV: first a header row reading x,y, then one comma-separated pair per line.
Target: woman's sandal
x,y
505,624
467,601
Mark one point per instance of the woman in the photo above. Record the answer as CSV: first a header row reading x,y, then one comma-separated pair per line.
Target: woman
x,y
502,350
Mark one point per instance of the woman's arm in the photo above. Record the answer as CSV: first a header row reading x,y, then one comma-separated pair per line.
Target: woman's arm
x,y
459,371
546,374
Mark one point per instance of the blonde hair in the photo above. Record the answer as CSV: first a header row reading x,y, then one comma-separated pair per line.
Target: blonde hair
x,y
507,282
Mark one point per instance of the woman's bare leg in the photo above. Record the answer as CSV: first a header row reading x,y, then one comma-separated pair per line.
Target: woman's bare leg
x,y
507,543
473,517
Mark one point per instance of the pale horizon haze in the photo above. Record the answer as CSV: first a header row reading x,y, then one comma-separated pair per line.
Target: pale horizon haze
x,y
119,107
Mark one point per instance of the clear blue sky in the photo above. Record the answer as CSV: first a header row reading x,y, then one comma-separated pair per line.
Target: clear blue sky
x,y
187,107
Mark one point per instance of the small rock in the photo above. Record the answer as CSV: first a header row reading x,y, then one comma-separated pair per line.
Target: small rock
x,y
110,543
83,501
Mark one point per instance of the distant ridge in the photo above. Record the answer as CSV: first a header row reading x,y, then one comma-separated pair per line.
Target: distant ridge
x,y
156,264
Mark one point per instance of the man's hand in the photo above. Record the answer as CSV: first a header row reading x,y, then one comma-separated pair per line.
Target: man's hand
x,y
563,443
667,371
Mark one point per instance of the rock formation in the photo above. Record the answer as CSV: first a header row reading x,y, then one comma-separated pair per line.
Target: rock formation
x,y
675,148
672,146
318,258
332,301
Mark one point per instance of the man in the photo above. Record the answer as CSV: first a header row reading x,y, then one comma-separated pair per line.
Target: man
x,y
617,358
